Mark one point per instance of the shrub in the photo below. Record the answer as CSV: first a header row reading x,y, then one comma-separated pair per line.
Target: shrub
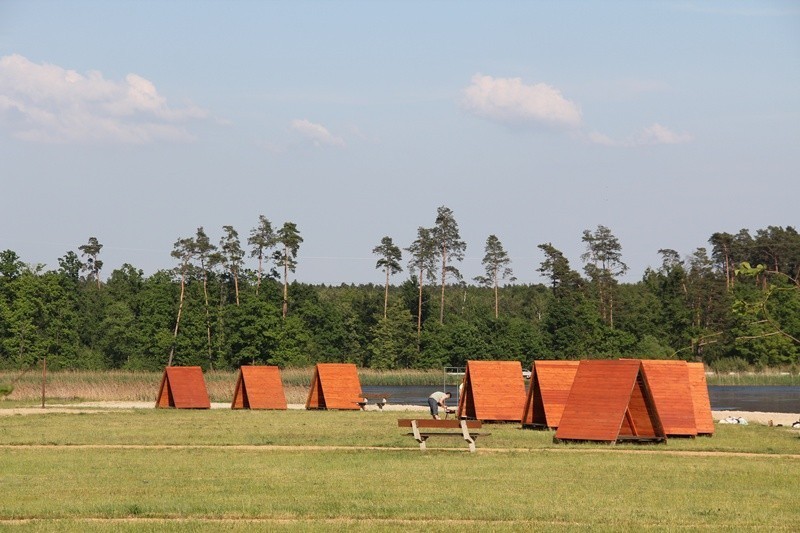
x,y
732,364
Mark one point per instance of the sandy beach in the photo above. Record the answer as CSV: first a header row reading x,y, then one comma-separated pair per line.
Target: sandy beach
x,y
757,417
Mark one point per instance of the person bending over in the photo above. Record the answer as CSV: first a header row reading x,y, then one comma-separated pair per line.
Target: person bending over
x,y
436,400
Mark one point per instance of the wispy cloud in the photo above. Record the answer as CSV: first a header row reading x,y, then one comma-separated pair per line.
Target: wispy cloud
x,y
317,134
653,134
658,134
48,103
509,100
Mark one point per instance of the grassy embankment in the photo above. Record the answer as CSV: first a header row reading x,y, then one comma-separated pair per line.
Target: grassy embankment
x,y
216,470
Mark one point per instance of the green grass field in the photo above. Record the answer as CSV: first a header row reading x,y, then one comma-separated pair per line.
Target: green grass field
x,y
223,470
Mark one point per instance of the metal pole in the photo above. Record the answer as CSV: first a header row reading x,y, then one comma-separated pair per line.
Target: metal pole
x,y
44,378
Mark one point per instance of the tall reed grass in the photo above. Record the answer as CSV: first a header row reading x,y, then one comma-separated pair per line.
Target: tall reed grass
x,y
112,385
370,377
754,379
121,385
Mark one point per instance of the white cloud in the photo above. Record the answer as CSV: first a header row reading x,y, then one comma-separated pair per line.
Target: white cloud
x,y
651,135
316,133
600,138
508,100
658,134
47,103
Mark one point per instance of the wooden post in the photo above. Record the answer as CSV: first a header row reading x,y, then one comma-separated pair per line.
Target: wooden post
x,y
44,378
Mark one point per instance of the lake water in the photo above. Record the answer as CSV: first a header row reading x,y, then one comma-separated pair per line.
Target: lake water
x,y
770,399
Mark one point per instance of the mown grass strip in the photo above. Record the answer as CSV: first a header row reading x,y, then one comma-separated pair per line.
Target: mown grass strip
x,y
216,470
220,427
606,491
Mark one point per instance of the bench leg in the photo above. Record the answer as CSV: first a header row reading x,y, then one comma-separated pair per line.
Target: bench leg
x,y
467,436
417,436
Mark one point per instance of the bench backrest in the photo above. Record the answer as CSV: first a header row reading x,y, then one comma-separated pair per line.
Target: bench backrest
x,y
442,424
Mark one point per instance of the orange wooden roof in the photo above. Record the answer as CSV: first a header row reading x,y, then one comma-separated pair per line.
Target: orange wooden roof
x,y
669,383
609,401
493,390
259,387
315,398
702,404
549,389
334,386
183,387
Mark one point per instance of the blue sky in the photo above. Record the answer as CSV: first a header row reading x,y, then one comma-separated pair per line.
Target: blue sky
x,y
137,122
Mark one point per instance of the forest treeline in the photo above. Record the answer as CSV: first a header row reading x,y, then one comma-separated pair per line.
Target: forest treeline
x,y
733,305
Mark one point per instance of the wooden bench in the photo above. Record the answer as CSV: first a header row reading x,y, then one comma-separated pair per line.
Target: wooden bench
x,y
423,429
365,399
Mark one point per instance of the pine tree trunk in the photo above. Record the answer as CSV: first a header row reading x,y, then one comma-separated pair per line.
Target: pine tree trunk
x,y
236,285
444,272
728,278
260,268
604,301
611,308
208,319
419,311
96,272
386,295
178,320
496,299
285,282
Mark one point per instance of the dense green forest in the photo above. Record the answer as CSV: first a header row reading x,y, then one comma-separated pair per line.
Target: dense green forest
x,y
734,305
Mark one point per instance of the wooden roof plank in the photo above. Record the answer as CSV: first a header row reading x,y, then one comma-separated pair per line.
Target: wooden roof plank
x,y
700,399
183,387
603,394
547,395
669,384
335,386
493,390
315,399
259,387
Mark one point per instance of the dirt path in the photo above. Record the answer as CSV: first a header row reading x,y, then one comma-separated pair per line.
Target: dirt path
x,y
342,522
304,448
305,522
752,417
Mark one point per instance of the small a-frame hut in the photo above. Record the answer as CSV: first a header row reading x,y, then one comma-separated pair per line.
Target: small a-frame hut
x,y
610,402
702,404
493,391
549,389
669,383
259,387
183,387
334,386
